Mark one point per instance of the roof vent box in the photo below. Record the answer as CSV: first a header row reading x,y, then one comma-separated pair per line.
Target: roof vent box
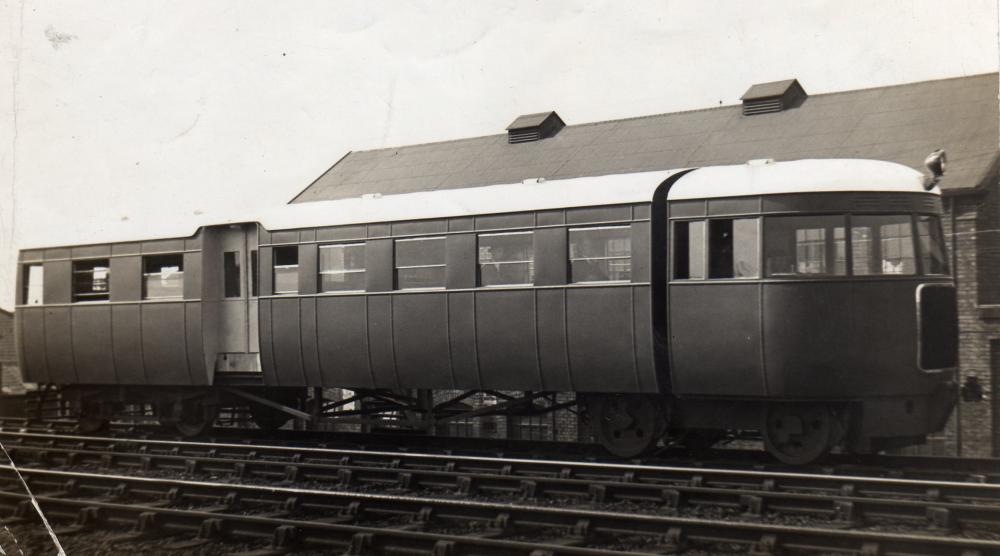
x,y
764,98
532,127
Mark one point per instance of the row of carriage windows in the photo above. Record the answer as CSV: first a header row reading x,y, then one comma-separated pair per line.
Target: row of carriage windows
x,y
720,248
809,246
596,254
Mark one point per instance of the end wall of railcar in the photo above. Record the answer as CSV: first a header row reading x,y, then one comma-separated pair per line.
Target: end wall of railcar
x,y
122,340
550,335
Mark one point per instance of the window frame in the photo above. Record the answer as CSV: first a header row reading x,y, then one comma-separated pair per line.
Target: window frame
x,y
321,272
918,269
146,275
396,267
530,262
91,297
570,258
830,246
26,283
275,267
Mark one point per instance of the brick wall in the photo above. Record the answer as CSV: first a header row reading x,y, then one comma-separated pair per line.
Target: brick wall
x,y
10,376
972,225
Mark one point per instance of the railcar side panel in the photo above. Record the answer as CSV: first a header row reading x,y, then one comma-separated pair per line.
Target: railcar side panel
x,y
462,333
195,343
287,342
600,323
310,340
383,356
126,331
642,323
715,339
342,329
91,342
552,354
31,332
838,339
57,280
506,332
59,345
420,340
126,275
163,344
266,340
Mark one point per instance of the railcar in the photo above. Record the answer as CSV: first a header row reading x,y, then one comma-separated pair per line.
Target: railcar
x,y
809,300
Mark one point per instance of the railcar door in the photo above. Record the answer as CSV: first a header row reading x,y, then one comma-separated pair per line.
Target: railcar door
x,y
232,345
715,307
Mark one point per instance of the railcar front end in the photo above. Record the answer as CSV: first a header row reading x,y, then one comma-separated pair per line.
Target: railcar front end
x,y
813,301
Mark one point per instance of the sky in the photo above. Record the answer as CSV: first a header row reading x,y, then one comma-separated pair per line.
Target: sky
x,y
139,117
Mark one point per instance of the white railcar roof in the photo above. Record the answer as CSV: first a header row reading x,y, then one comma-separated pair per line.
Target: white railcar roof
x,y
755,178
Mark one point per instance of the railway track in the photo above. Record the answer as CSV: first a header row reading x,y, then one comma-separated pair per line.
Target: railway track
x,y
284,519
932,468
845,501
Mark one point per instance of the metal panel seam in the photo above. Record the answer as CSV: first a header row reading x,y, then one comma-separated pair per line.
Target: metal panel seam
x,y
142,352
635,360
538,349
111,338
475,337
392,336
72,349
565,315
302,354
447,330
187,356
368,342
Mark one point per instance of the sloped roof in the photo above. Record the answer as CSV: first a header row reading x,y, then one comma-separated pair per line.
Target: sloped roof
x,y
767,90
901,123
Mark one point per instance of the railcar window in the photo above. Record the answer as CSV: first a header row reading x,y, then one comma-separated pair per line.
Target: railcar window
x,y
91,280
600,254
420,263
805,246
163,277
33,284
342,267
286,270
732,248
506,259
253,273
231,273
882,244
689,250
933,253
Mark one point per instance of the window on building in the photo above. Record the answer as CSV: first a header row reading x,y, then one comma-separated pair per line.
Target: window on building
x,y
342,267
933,253
805,246
600,254
506,259
33,284
163,276
420,263
286,270
231,273
732,248
254,269
882,244
91,280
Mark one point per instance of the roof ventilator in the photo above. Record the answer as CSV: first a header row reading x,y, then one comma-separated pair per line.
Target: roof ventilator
x,y
765,98
533,127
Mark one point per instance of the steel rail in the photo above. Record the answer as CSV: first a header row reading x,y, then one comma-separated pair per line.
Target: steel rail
x,y
942,506
343,519
984,470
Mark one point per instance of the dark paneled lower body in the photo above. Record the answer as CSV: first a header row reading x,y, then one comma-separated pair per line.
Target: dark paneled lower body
x,y
142,343
562,339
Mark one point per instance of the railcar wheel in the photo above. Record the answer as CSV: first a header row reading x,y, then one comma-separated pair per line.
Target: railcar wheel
x,y
627,425
267,418
195,419
798,434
